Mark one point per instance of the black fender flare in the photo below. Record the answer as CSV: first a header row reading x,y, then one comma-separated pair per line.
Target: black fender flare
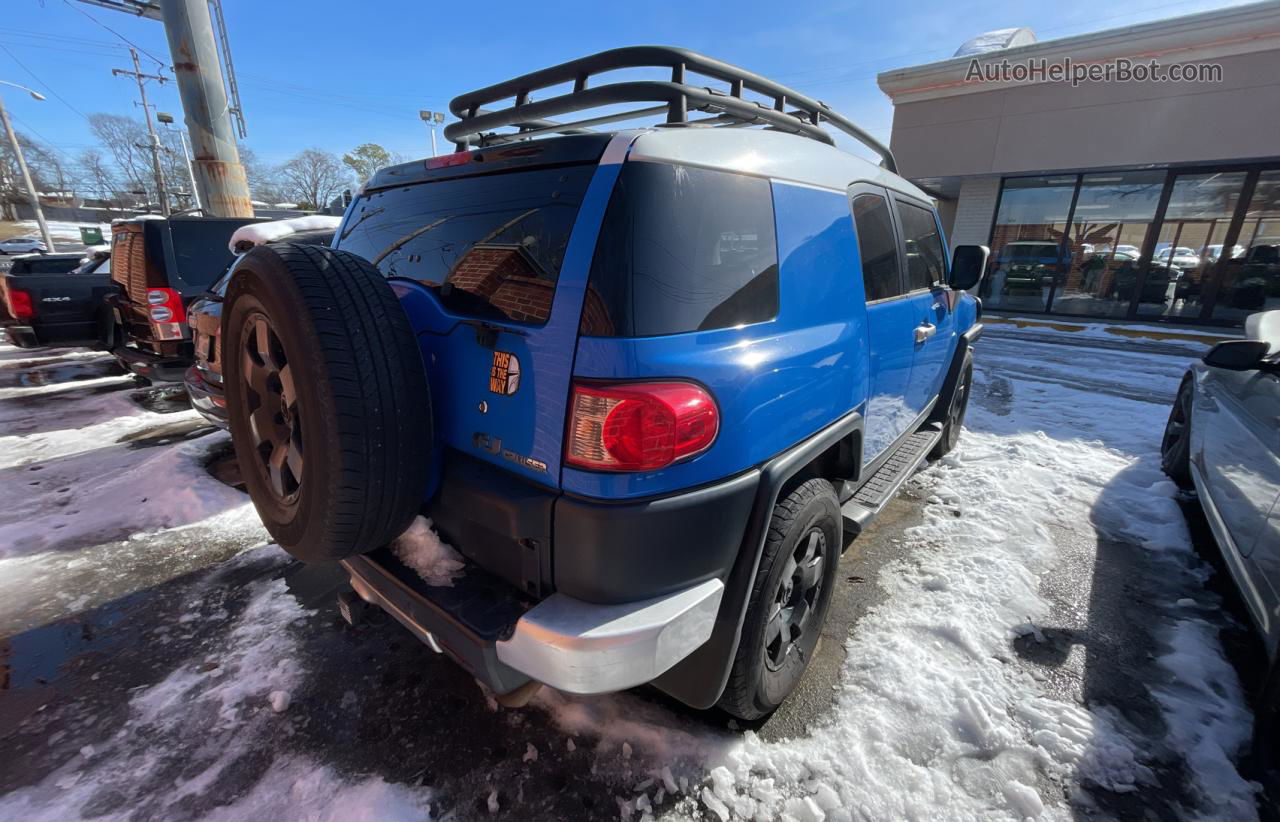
x,y
699,679
964,342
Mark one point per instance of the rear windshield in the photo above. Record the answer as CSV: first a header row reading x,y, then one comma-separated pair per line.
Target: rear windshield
x,y
45,265
682,249
200,250
489,246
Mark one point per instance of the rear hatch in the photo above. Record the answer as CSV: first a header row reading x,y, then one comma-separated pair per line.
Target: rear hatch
x,y
489,253
184,255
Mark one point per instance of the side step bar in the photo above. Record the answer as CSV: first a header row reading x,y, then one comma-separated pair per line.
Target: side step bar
x,y
877,489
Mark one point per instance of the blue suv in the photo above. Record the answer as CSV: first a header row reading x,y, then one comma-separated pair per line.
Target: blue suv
x,y
647,381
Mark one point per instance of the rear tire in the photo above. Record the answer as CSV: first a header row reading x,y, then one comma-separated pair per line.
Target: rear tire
x,y
959,404
1175,448
328,402
785,612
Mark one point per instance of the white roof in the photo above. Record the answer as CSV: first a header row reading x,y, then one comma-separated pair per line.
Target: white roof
x,y
773,154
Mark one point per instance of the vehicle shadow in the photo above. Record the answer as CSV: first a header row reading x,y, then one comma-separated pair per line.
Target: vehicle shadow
x,y
1106,653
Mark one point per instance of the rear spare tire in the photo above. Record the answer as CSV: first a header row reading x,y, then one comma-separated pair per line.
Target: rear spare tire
x,y
328,402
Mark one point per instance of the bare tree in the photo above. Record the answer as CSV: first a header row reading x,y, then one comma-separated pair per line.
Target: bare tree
x,y
97,178
47,173
313,177
264,180
127,141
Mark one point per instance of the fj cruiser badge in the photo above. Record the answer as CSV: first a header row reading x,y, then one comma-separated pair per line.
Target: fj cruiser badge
x,y
504,375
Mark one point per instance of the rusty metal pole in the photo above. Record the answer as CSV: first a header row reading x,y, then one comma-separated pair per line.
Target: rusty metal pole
x,y
220,178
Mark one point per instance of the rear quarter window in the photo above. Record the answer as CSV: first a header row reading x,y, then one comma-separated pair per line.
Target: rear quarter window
x,y
682,249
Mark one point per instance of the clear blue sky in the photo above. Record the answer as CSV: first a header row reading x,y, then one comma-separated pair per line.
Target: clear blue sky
x,y
335,74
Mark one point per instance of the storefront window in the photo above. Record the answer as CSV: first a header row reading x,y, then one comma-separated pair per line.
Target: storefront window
x,y
1112,215
1251,274
1189,243
1026,244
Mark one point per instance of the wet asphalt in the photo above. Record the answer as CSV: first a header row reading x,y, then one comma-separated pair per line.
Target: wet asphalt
x,y
372,700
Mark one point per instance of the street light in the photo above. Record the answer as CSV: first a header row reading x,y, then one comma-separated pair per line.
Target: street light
x,y
167,120
432,119
22,164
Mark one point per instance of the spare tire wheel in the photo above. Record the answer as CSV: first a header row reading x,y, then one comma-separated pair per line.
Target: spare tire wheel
x,y
328,401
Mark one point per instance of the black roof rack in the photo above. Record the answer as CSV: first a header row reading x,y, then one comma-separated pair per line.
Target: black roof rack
x,y
791,111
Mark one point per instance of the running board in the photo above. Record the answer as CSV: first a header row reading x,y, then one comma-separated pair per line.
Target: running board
x,y
873,494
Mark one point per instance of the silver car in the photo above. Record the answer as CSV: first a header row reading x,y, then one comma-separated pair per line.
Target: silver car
x,y
1223,440
22,245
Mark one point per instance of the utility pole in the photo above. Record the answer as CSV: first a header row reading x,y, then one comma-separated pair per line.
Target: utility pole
x,y
22,166
161,194
220,178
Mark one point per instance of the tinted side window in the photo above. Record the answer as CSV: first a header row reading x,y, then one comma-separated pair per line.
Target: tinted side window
x,y
682,249
877,247
925,265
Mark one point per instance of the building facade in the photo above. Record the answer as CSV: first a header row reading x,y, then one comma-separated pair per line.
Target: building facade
x,y
1152,200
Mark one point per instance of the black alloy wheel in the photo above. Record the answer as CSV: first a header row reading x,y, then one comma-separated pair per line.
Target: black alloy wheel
x,y
795,600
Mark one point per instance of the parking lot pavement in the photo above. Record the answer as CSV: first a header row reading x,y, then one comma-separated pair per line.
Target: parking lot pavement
x,y
1026,632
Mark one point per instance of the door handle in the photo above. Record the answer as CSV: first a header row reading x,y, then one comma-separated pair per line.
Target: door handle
x,y
924,332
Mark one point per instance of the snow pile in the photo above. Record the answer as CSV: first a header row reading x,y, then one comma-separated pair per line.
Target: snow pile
x,y
1204,707
255,234
421,549
296,789
934,717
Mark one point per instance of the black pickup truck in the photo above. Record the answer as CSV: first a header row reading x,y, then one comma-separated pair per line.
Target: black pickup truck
x,y
56,299
160,266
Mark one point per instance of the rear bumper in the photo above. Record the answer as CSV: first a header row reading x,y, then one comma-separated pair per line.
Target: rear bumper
x,y
23,336
151,366
206,398
570,645
582,648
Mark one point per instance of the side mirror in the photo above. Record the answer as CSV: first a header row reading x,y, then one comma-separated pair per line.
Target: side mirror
x,y
1237,355
967,264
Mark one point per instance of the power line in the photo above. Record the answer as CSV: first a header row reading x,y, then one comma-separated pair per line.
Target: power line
x,y
48,88
162,64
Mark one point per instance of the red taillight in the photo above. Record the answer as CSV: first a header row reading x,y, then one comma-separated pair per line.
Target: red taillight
x,y
459,158
638,426
21,306
167,313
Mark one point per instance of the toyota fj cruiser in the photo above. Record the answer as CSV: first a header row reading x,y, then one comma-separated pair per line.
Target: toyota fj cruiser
x,y
646,381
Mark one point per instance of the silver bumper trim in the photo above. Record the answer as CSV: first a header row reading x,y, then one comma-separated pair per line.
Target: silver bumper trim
x,y
585,648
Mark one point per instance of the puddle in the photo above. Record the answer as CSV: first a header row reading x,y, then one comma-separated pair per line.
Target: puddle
x,y
167,398
35,374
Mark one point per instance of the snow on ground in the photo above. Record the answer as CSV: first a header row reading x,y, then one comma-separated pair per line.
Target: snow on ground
x,y
63,230
935,716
